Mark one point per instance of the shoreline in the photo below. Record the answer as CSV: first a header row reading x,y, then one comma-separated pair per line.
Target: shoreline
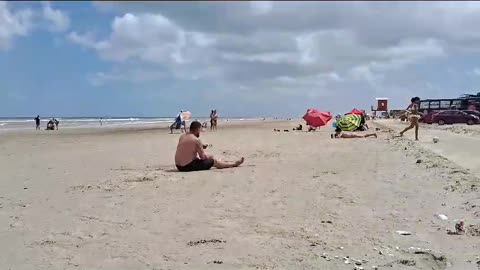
x,y
135,128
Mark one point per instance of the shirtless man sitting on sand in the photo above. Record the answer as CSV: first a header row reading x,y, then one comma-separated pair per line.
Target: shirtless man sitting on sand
x,y
190,155
349,135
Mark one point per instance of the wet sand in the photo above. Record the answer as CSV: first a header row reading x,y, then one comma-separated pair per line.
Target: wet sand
x,y
84,199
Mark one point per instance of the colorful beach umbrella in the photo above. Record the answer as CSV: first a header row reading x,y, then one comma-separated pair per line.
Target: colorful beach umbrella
x,y
185,115
349,122
356,111
317,118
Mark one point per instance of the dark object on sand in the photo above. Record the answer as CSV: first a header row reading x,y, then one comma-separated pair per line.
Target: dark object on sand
x,y
207,145
300,127
286,130
459,228
419,161
377,129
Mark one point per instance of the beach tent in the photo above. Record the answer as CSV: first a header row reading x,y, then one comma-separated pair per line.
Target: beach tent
x,y
317,118
349,122
356,111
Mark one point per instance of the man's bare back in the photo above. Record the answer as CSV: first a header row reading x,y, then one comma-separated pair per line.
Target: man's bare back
x,y
189,148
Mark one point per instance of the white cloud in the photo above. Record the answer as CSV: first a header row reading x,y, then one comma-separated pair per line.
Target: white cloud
x,y
261,7
148,37
13,24
21,22
128,75
59,21
288,48
475,72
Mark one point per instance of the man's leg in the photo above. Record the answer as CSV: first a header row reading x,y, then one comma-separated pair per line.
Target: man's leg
x,y
224,165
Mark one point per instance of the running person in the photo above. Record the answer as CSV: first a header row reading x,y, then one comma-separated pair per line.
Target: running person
x,y
414,115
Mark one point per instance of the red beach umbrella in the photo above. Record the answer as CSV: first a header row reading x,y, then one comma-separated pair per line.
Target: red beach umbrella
x,y
356,111
317,118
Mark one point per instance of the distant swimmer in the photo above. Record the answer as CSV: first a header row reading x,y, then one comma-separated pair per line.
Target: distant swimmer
x,y
37,122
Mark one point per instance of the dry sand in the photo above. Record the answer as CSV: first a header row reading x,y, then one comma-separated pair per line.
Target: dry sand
x,y
89,199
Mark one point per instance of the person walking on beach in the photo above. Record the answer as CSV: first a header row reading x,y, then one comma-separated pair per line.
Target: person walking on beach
x,y
339,134
37,122
414,116
178,124
190,155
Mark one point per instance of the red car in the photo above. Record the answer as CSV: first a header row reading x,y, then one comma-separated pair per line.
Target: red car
x,y
453,117
476,113
427,118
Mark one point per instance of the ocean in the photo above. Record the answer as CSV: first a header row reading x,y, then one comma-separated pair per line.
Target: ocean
x,y
23,123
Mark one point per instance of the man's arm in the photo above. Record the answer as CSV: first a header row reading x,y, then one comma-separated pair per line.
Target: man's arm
x,y
201,153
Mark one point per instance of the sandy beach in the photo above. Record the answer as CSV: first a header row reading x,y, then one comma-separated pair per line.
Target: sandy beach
x,y
112,199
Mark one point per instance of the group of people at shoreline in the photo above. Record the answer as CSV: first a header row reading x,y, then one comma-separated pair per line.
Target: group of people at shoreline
x,y
180,123
51,125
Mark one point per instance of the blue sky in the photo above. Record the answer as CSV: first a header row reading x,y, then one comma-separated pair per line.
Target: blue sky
x,y
241,58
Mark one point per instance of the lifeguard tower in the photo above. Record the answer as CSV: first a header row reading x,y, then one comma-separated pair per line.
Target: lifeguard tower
x,y
382,106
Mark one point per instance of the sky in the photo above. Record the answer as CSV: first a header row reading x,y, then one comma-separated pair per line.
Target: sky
x,y
241,58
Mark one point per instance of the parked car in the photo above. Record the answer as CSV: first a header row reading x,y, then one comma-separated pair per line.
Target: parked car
x,y
472,112
453,117
428,118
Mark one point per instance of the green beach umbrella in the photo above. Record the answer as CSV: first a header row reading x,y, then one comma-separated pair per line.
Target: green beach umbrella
x,y
349,122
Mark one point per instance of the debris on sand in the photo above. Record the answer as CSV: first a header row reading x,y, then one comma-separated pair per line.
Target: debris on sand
x,y
473,230
442,217
407,262
404,233
419,161
204,242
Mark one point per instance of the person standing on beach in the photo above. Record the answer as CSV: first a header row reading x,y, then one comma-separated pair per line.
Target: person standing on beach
x,y
213,120
37,122
56,122
190,155
414,116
